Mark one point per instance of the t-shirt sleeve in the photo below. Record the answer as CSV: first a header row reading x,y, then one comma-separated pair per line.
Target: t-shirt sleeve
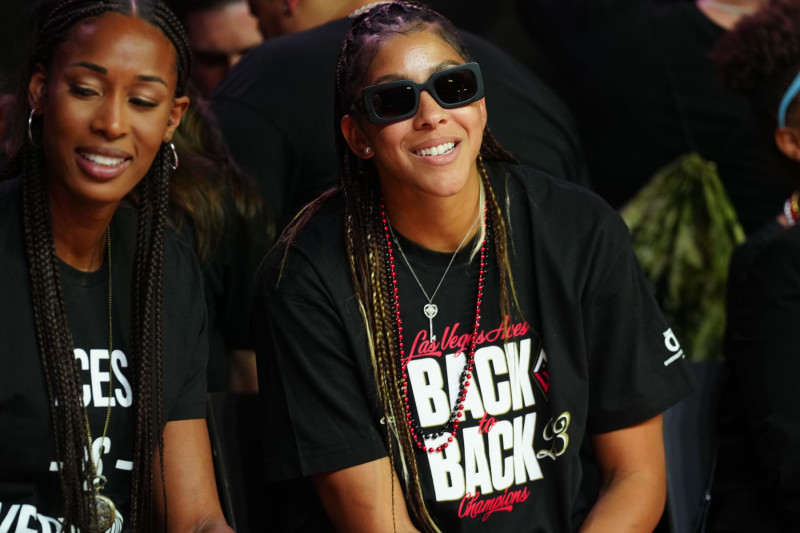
x,y
637,368
185,335
314,373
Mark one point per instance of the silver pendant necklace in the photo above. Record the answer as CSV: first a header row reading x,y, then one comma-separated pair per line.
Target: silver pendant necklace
x,y
430,309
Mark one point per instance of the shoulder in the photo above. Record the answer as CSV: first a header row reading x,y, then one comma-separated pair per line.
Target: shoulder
x,y
180,260
563,225
555,201
314,249
11,236
778,258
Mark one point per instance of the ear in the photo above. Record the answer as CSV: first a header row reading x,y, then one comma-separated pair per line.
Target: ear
x,y
355,137
788,140
483,112
179,106
36,87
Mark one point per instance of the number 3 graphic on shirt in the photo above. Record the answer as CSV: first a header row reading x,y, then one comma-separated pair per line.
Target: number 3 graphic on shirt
x,y
556,432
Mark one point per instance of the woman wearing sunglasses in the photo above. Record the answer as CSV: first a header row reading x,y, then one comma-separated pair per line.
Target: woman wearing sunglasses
x,y
445,339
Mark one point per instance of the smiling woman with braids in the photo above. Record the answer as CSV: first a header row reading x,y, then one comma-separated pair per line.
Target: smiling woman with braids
x,y
103,325
443,339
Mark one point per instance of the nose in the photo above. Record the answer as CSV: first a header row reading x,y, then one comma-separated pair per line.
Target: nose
x,y
111,117
429,113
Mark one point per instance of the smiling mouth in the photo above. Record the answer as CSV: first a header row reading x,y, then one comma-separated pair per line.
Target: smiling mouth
x,y
444,148
103,160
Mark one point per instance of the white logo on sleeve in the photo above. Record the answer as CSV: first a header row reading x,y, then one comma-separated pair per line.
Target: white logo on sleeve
x,y
672,344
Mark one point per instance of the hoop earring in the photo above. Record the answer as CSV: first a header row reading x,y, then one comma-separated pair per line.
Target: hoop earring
x,y
30,126
174,163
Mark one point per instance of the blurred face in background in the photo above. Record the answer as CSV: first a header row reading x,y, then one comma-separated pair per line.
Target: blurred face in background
x,y
269,14
219,38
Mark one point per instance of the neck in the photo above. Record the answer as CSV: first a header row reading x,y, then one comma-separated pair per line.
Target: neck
x,y
434,223
727,13
80,236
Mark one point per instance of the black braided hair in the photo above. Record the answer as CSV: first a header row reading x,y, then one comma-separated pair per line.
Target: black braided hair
x,y
50,321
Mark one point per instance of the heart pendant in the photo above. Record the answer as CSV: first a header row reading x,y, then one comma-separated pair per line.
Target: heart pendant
x,y
430,310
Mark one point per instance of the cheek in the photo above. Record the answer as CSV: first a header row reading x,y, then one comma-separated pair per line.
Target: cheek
x,y
63,126
390,137
150,130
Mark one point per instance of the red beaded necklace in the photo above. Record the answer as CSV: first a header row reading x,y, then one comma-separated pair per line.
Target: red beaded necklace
x,y
417,434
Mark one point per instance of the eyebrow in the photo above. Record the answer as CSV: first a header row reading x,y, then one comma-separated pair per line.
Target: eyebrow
x,y
102,70
436,68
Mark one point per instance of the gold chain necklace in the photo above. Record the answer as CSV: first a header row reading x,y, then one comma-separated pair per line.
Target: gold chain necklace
x,y
105,510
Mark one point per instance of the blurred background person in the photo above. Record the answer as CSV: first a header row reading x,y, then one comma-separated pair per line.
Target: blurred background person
x,y
220,33
16,28
276,119
637,76
221,213
757,484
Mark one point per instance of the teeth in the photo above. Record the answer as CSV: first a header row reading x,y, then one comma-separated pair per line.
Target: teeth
x,y
437,150
103,160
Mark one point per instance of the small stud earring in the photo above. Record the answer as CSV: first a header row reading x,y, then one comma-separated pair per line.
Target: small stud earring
x,y
367,150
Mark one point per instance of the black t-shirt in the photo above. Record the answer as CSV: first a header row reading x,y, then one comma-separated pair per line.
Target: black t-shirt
x,y
625,66
757,482
30,496
275,110
590,354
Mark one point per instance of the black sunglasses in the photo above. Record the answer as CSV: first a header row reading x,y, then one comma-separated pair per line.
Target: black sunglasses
x,y
394,101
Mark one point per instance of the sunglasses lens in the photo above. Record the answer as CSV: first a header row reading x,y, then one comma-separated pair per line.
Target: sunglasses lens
x,y
456,86
394,102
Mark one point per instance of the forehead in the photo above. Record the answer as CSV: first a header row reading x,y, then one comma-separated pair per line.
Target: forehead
x,y
116,41
229,22
414,55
